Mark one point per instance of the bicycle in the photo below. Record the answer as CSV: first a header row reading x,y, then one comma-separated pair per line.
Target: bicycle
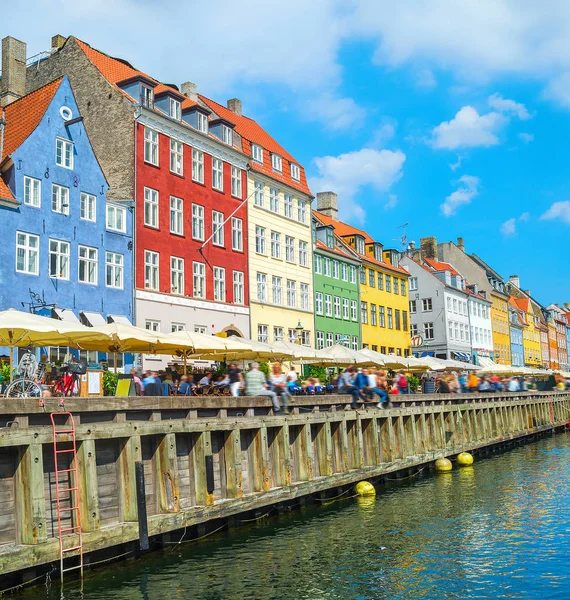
x,y
67,381
31,373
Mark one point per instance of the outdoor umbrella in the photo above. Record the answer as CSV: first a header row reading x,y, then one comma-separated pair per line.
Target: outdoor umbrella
x,y
297,351
248,350
340,355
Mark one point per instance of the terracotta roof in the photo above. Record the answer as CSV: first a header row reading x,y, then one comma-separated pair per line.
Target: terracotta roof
x,y
24,115
5,191
116,70
441,266
345,230
336,250
520,303
252,132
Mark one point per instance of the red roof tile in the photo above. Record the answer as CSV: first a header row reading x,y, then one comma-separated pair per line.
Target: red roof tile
x,y
345,230
5,191
440,266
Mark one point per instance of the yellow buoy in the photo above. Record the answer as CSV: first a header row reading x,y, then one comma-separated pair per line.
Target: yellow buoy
x,y
465,459
443,465
365,488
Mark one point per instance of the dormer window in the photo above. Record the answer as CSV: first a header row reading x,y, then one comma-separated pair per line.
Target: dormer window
x,y
295,172
330,238
202,122
174,109
147,96
378,252
227,137
277,163
359,244
257,153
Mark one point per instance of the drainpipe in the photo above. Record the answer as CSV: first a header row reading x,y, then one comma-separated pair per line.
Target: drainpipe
x,y
2,124
138,114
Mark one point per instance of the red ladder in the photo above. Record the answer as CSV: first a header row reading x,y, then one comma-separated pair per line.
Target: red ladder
x,y
72,534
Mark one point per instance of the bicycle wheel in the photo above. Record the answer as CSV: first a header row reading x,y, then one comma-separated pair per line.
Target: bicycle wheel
x,y
23,388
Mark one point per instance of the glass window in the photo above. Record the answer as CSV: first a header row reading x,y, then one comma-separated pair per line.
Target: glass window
x,y
58,259
427,304
337,307
301,211
260,240
152,325
176,157
328,305
318,264
32,192
114,269
289,249
371,278
277,290
262,334
291,294
151,146
227,136
278,334
353,310
428,331
259,191
319,303
202,122
295,172
304,256
237,234
197,222
174,108
275,244
381,316
116,218
364,312
151,270
60,199
396,288
389,314
88,263
329,339
403,287
397,319
373,314
217,228
413,283
274,199
262,287
64,153
257,153
27,253
219,284
413,306
305,302
147,96
388,283
344,271
327,266
199,279
320,340
150,207
288,205
345,310
276,162
176,275
380,281
217,174
238,287
362,276
352,274
88,207
336,269
236,182
176,215
198,166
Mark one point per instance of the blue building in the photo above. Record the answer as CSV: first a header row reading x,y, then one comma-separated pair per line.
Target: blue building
x,y
66,252
516,327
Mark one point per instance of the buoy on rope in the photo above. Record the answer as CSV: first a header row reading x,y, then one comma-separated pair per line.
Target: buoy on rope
x,y
365,488
443,465
465,459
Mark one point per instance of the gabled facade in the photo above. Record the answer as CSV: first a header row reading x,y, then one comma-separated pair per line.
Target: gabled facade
x,y
66,251
516,325
336,273
383,283
557,318
279,234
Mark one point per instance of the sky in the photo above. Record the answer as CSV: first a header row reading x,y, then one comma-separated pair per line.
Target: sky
x,y
448,116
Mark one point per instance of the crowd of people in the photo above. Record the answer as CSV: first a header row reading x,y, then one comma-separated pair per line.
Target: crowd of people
x,y
462,383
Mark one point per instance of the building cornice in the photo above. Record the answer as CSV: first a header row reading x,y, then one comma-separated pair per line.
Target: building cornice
x,y
191,302
278,183
196,139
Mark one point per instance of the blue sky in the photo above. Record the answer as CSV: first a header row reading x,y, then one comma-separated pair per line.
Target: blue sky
x,y
448,116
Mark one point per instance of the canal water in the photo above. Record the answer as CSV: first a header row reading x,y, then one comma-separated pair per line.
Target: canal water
x,y
497,530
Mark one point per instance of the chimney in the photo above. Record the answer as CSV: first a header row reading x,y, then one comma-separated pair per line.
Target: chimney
x,y
235,106
460,244
527,292
515,280
189,89
57,41
428,247
13,82
327,203
567,305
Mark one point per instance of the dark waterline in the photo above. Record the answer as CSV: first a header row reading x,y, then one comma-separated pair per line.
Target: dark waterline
x,y
497,530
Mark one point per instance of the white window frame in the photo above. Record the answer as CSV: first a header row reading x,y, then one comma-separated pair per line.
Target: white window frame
x,y
32,192
345,309
238,283
88,207
236,182
278,333
62,258
151,146
227,136
30,253
276,245
218,238
295,172
413,284
304,295
303,254
259,193
114,270
319,308
428,331
263,334
198,222
276,162
177,279
151,207
318,264
89,258
353,310
147,96
174,108
301,211
352,274
176,157
64,153
113,218
291,293
328,305
176,215
151,270
337,309
260,244
289,249
201,122
274,199
152,325
237,234
277,290
198,279
219,284
427,304
197,165
329,339
257,153
59,199
288,205
218,174
320,340
261,280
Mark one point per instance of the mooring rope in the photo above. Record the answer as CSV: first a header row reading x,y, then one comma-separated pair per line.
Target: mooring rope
x,y
11,589
408,477
179,542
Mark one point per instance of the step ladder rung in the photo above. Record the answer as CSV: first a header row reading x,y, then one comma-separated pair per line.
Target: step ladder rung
x,y
71,489
69,508
71,549
67,450
72,568
66,470
58,431
70,528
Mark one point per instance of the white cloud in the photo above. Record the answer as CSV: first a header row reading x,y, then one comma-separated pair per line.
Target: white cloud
x,y
468,129
509,227
558,211
558,89
524,217
454,166
348,173
392,201
334,113
384,133
467,190
425,78
526,137
504,105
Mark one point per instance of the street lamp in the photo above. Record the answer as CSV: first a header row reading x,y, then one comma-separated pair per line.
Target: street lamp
x,y
299,329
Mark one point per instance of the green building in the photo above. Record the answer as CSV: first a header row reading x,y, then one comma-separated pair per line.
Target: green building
x,y
336,288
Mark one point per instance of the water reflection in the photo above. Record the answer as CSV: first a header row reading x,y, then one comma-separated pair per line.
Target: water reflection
x,y
495,530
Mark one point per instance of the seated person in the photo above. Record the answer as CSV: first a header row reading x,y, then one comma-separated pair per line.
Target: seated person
x,y
185,387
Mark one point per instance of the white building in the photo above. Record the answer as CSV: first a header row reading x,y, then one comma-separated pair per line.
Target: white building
x,y
480,324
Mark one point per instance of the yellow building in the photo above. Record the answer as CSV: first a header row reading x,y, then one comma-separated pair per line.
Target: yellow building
x,y
279,234
531,334
501,332
384,302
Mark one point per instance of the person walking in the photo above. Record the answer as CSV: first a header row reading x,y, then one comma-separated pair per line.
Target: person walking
x,y
255,385
346,385
473,382
379,388
236,379
513,385
278,381
402,382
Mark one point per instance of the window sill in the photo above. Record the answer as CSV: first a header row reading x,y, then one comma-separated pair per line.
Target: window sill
x,y
179,175
149,164
153,227
179,235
